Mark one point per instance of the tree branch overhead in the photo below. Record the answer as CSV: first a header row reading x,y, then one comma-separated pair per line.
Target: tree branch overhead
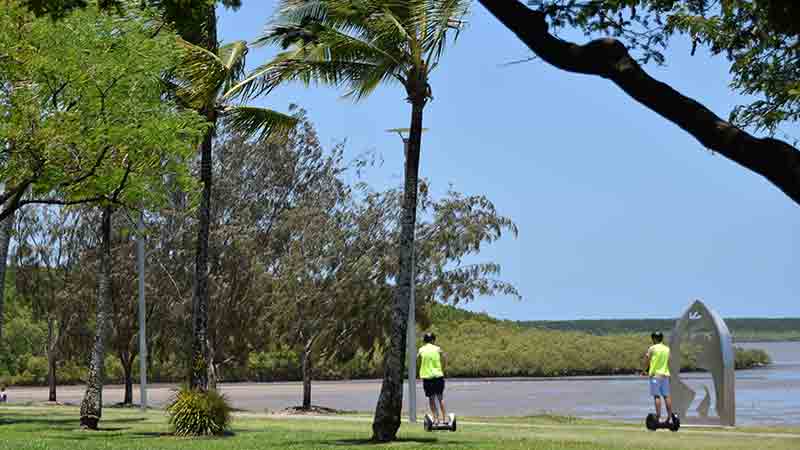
x,y
775,160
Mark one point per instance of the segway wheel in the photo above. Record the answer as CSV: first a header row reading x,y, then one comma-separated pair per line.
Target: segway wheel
x,y
428,423
676,423
651,422
453,426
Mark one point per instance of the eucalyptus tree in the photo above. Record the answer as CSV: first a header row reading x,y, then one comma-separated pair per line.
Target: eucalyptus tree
x,y
361,46
253,200
49,243
333,293
760,37
330,290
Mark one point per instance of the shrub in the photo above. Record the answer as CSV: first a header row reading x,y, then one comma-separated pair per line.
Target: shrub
x,y
197,413
281,364
113,368
71,373
749,358
35,370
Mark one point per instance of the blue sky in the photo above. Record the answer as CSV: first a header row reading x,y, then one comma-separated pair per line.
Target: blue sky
x,y
621,214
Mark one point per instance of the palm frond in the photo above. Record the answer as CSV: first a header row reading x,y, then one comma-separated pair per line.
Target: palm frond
x,y
313,69
258,123
357,45
234,58
201,74
443,19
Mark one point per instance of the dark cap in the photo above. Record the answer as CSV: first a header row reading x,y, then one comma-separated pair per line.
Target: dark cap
x,y
657,336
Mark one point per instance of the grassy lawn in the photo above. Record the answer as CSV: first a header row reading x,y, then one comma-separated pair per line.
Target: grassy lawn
x,y
40,428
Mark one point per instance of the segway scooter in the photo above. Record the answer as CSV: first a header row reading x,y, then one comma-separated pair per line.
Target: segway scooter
x,y
653,423
430,426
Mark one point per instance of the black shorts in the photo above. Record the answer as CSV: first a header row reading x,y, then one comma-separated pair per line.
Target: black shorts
x,y
433,386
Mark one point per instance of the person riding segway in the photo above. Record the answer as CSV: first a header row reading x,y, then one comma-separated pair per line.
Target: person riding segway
x,y
656,363
430,362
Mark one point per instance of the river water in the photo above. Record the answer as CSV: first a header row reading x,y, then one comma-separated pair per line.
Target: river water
x,y
765,396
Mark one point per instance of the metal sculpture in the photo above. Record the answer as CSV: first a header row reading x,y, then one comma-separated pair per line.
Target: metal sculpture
x,y
704,336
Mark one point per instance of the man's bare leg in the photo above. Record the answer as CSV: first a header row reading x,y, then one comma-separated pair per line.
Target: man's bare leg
x,y
668,402
658,407
432,403
441,408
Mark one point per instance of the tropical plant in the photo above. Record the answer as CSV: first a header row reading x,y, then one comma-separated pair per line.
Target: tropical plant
x,y
198,413
205,80
361,46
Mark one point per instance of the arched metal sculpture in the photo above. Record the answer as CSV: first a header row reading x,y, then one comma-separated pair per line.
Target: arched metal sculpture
x,y
705,334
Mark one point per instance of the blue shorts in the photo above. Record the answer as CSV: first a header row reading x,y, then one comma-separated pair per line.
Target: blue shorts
x,y
659,386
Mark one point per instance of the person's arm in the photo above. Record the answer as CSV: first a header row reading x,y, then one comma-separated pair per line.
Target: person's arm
x,y
442,357
646,363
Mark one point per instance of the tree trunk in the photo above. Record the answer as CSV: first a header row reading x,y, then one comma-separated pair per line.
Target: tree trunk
x,y
92,404
390,402
52,346
6,227
51,376
198,377
212,368
307,368
127,369
776,160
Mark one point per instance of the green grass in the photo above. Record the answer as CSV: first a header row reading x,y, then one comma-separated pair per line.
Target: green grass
x,y
31,428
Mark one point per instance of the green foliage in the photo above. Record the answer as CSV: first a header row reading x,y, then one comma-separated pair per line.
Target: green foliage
x,y
197,413
87,119
205,82
758,37
113,369
281,364
36,369
22,337
478,346
71,372
763,51
359,45
749,358
742,329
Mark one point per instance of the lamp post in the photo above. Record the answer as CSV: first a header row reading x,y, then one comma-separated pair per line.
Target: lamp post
x,y
411,327
142,316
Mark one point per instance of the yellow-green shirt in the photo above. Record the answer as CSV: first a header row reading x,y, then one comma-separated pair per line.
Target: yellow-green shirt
x,y
659,360
431,365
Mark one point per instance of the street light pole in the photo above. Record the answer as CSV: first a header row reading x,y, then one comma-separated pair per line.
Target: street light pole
x,y
142,315
411,326
411,336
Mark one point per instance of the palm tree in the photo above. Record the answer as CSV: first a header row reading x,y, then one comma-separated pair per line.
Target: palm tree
x,y
361,45
208,76
92,402
6,229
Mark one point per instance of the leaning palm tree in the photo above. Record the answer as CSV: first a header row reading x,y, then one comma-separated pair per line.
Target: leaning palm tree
x,y
360,45
206,79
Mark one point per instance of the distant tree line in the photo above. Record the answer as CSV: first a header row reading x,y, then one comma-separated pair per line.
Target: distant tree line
x,y
742,329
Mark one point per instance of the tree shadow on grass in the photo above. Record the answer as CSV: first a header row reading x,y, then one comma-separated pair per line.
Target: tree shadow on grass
x,y
70,422
168,434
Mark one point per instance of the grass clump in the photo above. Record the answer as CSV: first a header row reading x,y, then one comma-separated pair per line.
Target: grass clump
x,y
196,413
